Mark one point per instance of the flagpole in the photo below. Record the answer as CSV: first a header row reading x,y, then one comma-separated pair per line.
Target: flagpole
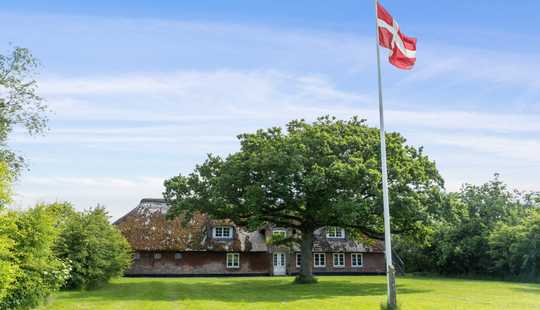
x,y
390,272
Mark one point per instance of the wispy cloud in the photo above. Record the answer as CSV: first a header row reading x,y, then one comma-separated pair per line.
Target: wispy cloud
x,y
158,95
230,95
118,195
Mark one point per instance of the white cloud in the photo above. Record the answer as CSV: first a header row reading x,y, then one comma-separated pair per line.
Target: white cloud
x,y
201,110
229,95
522,149
118,195
461,64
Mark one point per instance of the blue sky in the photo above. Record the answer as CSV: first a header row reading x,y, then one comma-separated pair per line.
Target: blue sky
x,y
141,91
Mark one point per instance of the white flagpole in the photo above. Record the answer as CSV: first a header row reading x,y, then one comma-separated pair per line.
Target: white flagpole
x,y
390,272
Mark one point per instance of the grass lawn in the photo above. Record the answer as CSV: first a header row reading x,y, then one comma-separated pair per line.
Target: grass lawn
x,y
332,292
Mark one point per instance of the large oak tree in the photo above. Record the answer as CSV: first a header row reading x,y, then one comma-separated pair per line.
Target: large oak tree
x,y
309,176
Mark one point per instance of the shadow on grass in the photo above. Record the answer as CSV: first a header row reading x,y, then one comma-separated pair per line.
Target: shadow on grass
x,y
532,289
271,290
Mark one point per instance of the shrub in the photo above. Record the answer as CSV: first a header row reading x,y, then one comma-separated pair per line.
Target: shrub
x,y
96,249
35,270
8,267
515,249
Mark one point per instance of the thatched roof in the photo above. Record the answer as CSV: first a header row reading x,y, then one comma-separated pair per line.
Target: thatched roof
x,y
323,244
147,229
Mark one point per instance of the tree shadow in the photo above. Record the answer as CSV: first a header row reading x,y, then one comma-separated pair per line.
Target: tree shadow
x,y
531,289
245,290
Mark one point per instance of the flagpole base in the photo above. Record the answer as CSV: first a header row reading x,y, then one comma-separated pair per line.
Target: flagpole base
x,y
392,302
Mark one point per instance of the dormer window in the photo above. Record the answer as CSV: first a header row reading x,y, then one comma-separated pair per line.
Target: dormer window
x,y
222,232
335,233
279,233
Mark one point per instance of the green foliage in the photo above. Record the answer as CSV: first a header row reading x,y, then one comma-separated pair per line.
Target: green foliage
x,y
485,230
8,269
515,249
19,102
6,177
312,175
96,250
8,265
31,261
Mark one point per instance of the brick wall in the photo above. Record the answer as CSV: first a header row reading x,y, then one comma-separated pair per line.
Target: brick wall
x,y
198,263
372,263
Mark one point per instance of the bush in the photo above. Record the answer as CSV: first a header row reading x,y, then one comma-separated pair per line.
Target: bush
x,y
481,231
34,271
8,266
516,249
96,249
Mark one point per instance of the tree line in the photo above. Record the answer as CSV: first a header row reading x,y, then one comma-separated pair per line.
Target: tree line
x,y
480,230
49,246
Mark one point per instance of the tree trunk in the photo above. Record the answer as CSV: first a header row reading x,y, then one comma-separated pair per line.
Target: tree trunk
x,y
306,265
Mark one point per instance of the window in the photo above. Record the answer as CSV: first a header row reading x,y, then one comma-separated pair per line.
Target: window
x,y
137,256
339,260
233,260
223,232
177,255
157,255
357,260
279,233
335,233
298,260
319,259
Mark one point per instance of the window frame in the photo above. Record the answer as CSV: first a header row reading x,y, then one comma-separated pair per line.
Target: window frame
x,y
361,255
315,255
334,255
335,235
222,235
298,260
230,258
279,231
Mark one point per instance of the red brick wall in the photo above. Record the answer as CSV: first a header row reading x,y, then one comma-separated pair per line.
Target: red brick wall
x,y
198,263
372,263
208,263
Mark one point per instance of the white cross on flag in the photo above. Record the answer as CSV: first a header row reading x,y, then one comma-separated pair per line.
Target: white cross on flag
x,y
403,48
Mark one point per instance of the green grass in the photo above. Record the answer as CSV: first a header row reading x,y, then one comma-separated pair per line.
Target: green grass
x,y
332,292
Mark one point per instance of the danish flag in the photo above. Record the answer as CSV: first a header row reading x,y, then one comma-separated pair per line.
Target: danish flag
x,y
403,48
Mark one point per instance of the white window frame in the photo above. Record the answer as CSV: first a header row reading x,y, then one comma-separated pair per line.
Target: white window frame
x,y
233,261
279,231
342,255
298,260
218,232
361,255
315,255
335,231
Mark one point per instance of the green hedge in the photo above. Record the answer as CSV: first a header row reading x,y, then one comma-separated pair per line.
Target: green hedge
x,y
51,246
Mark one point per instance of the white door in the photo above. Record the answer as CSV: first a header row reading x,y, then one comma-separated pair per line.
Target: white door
x,y
279,263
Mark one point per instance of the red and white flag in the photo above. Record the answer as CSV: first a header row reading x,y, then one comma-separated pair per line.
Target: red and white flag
x,y
403,48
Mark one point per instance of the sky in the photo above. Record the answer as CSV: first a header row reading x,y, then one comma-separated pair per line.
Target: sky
x,y
140,91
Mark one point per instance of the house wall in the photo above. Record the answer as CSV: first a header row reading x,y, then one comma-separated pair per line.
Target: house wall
x,y
198,263
372,263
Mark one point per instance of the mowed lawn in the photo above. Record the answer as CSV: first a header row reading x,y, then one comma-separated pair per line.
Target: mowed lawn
x,y
332,292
